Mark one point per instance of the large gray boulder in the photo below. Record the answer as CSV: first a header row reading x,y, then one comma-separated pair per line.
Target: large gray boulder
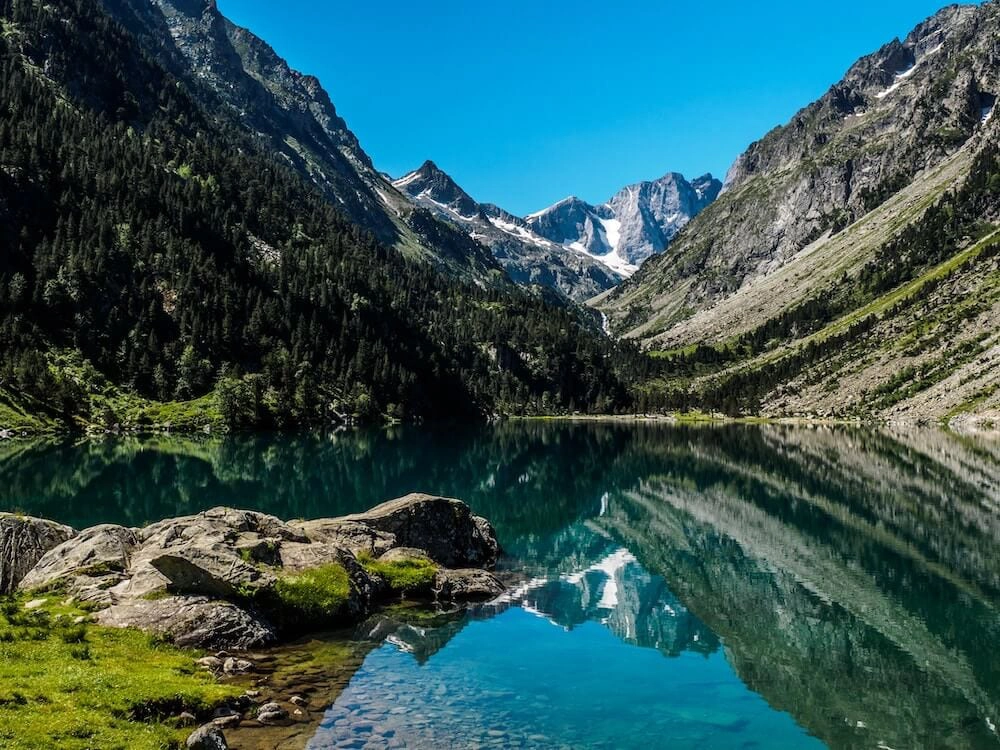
x,y
210,569
192,621
443,527
95,552
352,535
23,542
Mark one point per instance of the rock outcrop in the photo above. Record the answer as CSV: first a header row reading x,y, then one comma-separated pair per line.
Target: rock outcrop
x,y
23,542
214,580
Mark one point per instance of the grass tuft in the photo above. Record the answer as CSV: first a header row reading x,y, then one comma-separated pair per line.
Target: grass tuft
x,y
317,594
405,575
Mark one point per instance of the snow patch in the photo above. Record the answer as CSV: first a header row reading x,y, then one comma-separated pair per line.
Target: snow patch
x,y
612,232
902,75
408,179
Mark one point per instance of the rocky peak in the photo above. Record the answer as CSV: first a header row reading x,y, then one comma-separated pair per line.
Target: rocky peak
x,y
639,221
431,182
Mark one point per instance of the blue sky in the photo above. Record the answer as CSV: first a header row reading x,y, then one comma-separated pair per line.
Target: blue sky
x,y
527,101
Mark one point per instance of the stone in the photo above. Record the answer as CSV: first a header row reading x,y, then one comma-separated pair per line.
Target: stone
x,y
186,719
271,713
192,621
232,665
210,570
466,585
229,721
401,554
208,737
211,663
88,566
443,527
23,542
350,535
297,700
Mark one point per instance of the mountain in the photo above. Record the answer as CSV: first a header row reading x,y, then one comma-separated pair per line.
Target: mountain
x,y
528,258
637,223
237,76
167,263
848,268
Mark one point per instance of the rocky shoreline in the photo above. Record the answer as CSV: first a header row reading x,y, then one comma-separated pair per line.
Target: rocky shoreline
x,y
231,582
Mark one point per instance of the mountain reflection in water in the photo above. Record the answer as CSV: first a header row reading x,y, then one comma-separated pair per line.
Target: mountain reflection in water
x,y
791,585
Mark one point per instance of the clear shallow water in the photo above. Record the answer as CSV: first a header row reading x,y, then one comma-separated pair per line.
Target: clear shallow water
x,y
730,587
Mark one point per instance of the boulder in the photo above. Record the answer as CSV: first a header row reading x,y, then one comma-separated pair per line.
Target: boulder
x,y
208,737
88,564
296,558
350,535
443,527
192,621
214,570
219,523
401,554
271,713
23,542
466,585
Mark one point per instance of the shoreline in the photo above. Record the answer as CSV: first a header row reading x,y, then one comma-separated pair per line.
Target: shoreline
x,y
209,602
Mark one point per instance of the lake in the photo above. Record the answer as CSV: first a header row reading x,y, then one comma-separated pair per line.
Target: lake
x,y
679,587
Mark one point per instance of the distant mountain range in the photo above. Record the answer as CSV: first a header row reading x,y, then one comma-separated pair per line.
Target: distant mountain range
x,y
579,249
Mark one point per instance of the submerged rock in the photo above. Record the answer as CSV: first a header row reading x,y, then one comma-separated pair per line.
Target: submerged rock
x,y
23,542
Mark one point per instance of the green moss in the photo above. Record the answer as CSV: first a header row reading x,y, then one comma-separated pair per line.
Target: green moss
x,y
78,686
404,575
317,594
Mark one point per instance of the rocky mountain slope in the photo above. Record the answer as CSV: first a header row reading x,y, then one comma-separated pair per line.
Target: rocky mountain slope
x,y
239,77
528,258
848,264
637,223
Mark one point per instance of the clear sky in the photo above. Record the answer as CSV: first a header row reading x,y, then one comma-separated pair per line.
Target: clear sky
x,y
525,102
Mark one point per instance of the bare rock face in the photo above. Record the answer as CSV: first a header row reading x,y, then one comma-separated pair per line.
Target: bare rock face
x,y
897,115
23,542
349,534
192,621
444,528
211,570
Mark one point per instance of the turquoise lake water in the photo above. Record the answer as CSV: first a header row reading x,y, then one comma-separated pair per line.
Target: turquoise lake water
x,y
674,587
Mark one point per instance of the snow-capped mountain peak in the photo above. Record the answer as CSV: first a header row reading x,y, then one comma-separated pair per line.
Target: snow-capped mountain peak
x,y
639,221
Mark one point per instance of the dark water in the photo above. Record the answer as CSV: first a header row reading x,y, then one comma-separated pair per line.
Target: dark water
x,y
731,587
